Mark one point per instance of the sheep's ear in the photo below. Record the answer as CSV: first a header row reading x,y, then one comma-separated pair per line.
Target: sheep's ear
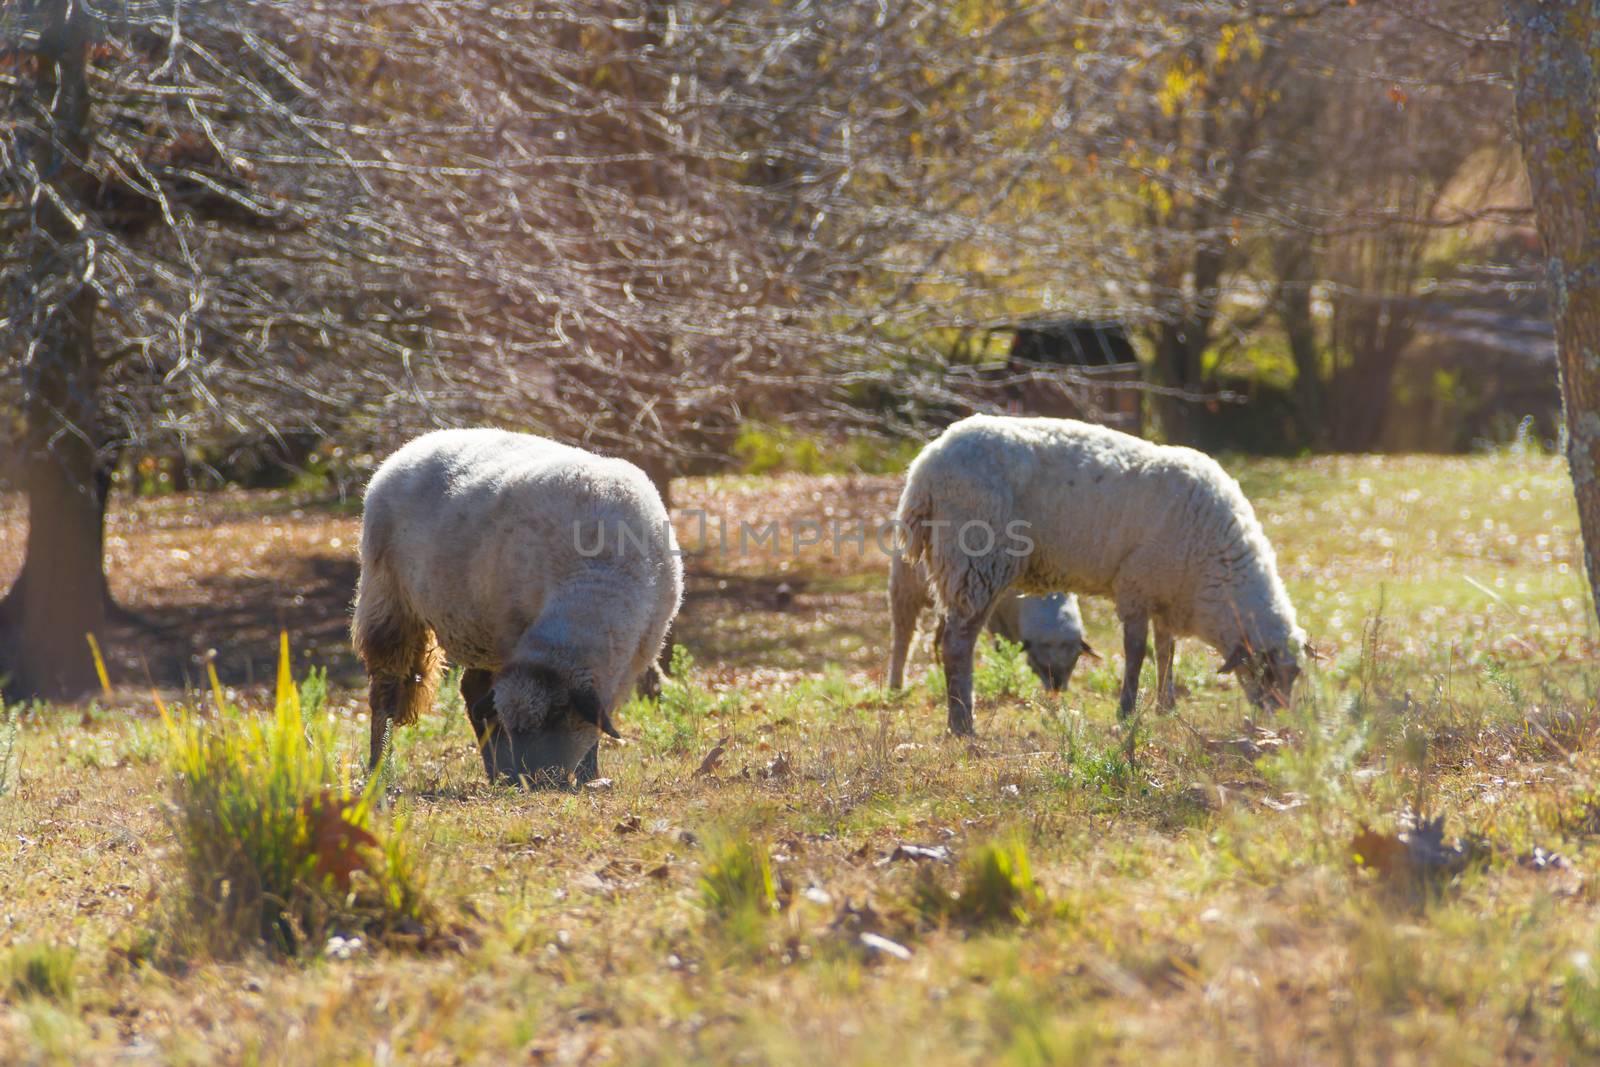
x,y
1088,651
1235,660
586,703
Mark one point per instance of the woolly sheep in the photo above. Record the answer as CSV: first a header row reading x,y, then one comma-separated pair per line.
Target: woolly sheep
x,y
1047,504
1049,628
549,573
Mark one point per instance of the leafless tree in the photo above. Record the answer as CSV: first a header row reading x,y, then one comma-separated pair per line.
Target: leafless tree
x,y
1558,113
188,244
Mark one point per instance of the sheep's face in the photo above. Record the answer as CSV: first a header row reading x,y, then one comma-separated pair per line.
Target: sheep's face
x,y
1267,677
1053,661
544,731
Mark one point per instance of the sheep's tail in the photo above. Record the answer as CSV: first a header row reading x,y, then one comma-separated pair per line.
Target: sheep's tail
x,y
913,516
403,660
965,583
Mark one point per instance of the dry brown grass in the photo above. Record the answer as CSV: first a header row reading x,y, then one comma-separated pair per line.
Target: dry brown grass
x,y
1197,906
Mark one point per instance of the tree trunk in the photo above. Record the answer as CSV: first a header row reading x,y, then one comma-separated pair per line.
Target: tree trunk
x,y
59,597
1293,262
1558,111
1176,355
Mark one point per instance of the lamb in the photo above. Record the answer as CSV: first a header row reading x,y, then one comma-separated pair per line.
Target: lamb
x,y
1049,628
1044,504
549,573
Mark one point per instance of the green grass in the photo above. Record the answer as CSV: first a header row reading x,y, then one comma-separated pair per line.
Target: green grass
x,y
277,847
41,971
1075,891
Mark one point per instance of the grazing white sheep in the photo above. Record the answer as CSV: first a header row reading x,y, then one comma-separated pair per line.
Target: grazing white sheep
x,y
548,572
1049,628
1047,504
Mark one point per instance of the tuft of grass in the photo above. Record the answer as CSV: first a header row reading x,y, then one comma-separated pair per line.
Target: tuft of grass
x,y
995,887
1580,1008
38,970
1003,672
276,846
736,882
672,723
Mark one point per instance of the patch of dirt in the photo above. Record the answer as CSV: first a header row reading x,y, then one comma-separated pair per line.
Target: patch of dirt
x,y
781,573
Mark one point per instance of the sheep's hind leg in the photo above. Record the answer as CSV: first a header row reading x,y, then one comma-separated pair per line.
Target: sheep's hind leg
x,y
383,695
960,638
1166,684
906,600
477,692
1135,640
404,677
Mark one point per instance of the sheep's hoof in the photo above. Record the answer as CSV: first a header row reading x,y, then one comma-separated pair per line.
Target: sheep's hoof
x,y
541,760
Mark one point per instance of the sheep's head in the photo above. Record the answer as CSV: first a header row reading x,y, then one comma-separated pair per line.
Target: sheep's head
x,y
1052,636
1054,659
545,729
1267,677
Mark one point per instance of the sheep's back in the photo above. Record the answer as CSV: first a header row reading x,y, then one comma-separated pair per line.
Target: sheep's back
x,y
1091,496
480,527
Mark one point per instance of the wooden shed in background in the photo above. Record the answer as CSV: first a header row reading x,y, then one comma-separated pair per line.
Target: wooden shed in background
x,y
1097,350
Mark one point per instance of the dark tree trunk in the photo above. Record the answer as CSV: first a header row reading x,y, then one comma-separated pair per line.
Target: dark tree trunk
x,y
1375,336
1558,99
1180,350
1293,305
59,597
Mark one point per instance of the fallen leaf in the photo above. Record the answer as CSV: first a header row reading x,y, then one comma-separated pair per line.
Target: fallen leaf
x,y
777,768
714,757
1384,853
1418,854
335,840
630,824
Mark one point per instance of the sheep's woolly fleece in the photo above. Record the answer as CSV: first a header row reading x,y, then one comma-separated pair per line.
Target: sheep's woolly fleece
x,y
1160,529
516,550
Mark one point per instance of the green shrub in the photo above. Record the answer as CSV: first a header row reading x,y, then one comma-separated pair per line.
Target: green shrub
x,y
40,970
314,692
762,448
994,887
276,846
737,881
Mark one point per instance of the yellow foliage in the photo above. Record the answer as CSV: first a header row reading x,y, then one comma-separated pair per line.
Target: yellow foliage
x,y
1179,85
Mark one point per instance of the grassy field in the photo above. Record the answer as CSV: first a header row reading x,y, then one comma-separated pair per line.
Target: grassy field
x,y
787,865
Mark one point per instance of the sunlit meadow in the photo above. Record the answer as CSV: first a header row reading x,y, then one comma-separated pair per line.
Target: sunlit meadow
x,y
785,864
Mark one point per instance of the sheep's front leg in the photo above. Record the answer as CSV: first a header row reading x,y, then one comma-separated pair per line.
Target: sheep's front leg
x,y
960,639
1135,638
1166,684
